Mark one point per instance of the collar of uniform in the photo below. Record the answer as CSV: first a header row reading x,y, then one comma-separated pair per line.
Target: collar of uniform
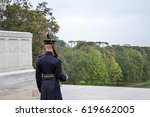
x,y
49,53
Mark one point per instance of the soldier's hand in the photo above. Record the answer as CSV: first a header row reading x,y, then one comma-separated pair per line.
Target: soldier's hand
x,y
66,77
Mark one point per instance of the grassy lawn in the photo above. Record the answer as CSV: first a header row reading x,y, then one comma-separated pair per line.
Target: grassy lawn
x,y
147,86
140,84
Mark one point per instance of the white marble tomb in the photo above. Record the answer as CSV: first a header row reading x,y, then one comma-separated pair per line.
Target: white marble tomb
x,y
15,52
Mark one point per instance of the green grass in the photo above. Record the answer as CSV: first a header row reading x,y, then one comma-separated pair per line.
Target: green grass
x,y
145,84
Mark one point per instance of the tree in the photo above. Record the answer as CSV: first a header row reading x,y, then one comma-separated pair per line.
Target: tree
x,y
113,68
69,60
85,65
131,62
115,73
145,51
21,17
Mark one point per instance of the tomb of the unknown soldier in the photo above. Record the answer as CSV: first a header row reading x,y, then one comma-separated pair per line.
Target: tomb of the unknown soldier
x,y
15,52
16,70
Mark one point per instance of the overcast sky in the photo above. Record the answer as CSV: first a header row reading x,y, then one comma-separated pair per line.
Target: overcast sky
x,y
112,21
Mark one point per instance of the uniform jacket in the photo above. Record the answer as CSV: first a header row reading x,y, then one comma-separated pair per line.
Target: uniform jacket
x,y
49,88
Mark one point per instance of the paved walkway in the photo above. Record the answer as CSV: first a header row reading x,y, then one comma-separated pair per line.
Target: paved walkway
x,y
75,92
71,92
23,87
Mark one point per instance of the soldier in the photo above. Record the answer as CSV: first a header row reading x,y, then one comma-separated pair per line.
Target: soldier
x,y
48,74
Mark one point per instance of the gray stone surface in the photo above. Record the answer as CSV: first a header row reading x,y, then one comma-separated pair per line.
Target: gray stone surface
x,y
18,87
72,92
27,90
16,71
15,51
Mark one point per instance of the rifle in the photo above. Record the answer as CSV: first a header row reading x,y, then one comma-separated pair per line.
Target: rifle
x,y
50,35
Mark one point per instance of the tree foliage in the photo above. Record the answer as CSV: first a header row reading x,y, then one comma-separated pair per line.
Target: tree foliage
x,y
21,17
131,62
87,63
113,68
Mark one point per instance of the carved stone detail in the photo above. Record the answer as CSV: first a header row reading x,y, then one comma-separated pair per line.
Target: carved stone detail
x,y
1,46
25,46
12,46
15,51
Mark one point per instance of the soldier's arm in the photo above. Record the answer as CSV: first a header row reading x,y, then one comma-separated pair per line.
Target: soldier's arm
x,y
58,72
38,76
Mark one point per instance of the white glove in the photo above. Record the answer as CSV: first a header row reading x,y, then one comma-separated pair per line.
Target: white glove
x,y
66,77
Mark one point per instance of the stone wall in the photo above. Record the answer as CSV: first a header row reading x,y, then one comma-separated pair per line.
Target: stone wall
x,y
15,51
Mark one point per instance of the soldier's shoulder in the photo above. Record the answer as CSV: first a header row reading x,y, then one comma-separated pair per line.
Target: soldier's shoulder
x,y
38,58
58,60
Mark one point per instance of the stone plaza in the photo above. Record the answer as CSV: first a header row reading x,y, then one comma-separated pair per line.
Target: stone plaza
x,y
28,91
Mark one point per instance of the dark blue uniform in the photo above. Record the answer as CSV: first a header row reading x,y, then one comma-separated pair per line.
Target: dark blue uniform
x,y
49,88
